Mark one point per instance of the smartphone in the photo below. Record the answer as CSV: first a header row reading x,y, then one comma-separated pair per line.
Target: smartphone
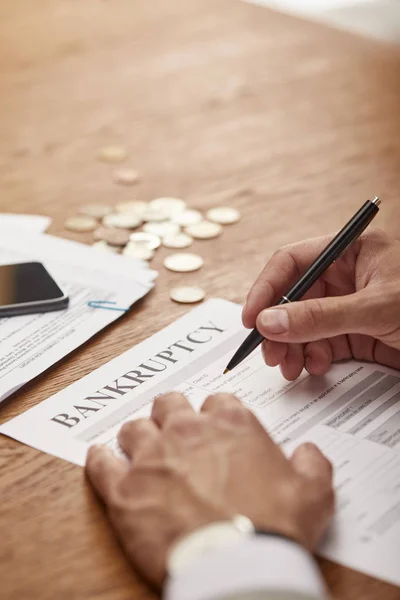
x,y
29,288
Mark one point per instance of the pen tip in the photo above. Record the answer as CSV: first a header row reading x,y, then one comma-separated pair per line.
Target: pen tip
x,y
226,371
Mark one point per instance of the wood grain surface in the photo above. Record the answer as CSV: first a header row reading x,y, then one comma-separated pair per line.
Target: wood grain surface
x,y
217,101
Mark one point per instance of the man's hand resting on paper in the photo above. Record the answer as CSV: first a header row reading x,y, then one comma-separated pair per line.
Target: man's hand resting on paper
x,y
186,470
352,311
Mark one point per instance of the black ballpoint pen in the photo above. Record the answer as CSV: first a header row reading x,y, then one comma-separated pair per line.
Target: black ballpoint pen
x,y
346,236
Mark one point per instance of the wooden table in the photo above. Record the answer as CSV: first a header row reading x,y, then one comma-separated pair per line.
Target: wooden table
x,y
217,101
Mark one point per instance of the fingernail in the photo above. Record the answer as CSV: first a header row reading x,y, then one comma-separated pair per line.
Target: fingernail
x,y
97,448
308,447
94,447
275,320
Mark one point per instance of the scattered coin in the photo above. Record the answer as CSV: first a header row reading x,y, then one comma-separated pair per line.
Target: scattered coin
x,y
179,240
224,215
114,237
126,176
112,154
183,262
187,294
102,246
98,211
138,251
121,220
162,229
148,240
80,223
171,206
187,217
135,207
204,230
154,215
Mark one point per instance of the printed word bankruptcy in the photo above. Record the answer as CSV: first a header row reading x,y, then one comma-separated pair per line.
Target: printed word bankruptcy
x,y
141,373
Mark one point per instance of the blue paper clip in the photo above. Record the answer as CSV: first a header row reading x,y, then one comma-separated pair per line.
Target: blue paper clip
x,y
101,303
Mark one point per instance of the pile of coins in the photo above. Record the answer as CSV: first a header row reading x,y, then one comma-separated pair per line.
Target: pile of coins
x,y
136,229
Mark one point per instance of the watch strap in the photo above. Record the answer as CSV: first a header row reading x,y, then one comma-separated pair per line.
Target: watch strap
x,y
202,540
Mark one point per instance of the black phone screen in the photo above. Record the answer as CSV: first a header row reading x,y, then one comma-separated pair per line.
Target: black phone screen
x,y
26,282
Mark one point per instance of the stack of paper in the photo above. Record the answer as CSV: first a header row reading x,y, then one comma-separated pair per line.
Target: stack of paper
x,y
29,344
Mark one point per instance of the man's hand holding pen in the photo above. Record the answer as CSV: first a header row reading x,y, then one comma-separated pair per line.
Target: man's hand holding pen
x,y
352,311
304,276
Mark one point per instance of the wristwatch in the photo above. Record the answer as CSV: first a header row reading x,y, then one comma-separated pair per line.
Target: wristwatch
x,y
206,538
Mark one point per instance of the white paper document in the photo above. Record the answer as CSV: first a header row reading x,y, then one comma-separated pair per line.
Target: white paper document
x,y
29,344
23,223
352,414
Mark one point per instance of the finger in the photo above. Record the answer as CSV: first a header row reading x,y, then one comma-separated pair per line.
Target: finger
x,y
104,470
312,320
227,407
341,349
279,274
136,436
318,357
385,355
309,462
273,352
293,363
167,405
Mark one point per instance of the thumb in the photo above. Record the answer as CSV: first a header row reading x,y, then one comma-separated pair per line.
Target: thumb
x,y
311,320
317,493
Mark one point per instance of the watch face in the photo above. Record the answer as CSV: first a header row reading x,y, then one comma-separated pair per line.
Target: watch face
x,y
208,538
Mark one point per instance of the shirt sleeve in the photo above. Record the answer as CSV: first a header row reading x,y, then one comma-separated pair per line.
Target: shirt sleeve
x,y
258,568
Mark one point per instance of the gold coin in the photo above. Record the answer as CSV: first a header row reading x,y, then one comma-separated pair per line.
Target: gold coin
x,y
154,215
138,251
135,207
183,262
148,240
126,176
225,215
187,217
112,153
204,230
80,223
102,246
179,240
98,211
187,294
122,221
162,229
171,206
114,237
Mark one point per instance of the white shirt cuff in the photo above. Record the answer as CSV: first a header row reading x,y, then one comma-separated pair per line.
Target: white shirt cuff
x,y
256,564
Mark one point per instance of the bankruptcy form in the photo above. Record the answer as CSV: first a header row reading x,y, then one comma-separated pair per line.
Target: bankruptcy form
x,y
352,414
